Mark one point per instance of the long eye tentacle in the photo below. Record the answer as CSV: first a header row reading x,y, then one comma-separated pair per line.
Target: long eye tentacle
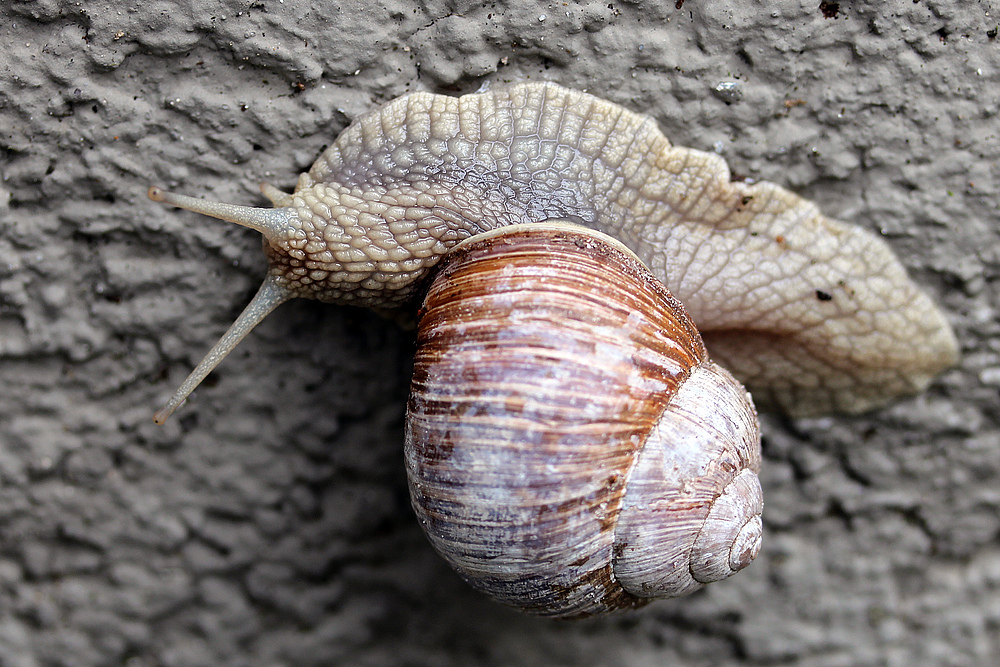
x,y
270,295
273,223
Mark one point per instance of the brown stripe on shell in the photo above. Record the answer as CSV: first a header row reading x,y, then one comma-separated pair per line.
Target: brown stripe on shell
x,y
540,370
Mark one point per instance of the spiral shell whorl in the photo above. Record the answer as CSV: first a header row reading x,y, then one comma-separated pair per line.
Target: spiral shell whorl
x,y
691,514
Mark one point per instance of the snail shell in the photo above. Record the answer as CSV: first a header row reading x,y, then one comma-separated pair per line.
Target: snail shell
x,y
570,448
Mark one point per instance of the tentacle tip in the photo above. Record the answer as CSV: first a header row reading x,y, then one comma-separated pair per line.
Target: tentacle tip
x,y
160,418
157,193
278,197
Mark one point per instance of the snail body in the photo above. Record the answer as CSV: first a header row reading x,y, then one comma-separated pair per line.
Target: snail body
x,y
812,314
616,461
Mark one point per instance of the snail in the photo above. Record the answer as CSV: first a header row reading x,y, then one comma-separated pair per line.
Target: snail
x,y
813,315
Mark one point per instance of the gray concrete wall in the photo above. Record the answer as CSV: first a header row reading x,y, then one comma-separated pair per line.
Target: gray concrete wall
x,y
267,523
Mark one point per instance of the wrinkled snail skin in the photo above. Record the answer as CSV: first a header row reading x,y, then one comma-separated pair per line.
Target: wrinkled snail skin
x,y
570,448
812,314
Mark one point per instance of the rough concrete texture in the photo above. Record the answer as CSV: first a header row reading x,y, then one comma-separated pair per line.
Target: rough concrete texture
x,y
268,523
